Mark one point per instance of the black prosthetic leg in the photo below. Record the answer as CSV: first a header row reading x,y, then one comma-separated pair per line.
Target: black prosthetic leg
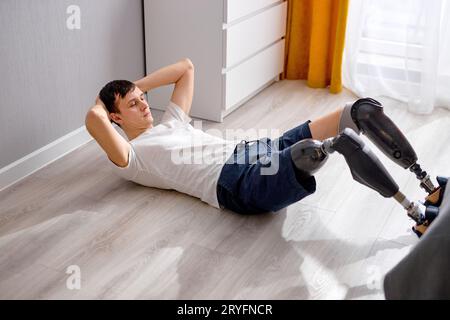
x,y
367,116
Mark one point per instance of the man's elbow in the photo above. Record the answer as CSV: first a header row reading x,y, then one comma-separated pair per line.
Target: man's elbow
x,y
91,116
89,121
189,64
92,119
88,118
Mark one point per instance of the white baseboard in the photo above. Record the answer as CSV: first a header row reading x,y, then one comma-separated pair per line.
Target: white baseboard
x,y
31,163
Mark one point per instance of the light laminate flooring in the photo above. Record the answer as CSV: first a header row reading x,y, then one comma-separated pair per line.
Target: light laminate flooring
x,y
134,242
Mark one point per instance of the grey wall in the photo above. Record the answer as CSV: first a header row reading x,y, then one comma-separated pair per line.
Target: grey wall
x,y
50,75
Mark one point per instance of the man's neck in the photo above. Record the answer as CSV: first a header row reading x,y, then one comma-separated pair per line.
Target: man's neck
x,y
134,133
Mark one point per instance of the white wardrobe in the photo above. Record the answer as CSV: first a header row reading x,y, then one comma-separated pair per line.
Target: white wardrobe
x,y
237,47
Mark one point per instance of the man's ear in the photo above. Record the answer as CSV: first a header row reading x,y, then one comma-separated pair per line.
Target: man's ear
x,y
115,117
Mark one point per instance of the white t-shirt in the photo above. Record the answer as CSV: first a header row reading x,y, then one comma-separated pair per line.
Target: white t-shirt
x,y
174,155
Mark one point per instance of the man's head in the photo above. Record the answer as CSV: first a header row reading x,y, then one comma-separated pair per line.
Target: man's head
x,y
126,105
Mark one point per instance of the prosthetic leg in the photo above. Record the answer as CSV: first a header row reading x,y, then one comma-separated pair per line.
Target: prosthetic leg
x,y
310,155
367,116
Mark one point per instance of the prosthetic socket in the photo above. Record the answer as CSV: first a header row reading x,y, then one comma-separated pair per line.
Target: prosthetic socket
x,y
367,116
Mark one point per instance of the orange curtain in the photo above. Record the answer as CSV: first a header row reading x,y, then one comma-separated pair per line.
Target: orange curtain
x,y
315,42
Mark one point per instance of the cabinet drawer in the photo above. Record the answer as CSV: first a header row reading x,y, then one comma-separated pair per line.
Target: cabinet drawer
x,y
254,34
235,9
251,75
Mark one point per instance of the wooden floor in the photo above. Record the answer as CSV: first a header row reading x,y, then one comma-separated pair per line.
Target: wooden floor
x,y
133,242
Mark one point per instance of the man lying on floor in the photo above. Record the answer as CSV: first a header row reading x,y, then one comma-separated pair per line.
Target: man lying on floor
x,y
233,176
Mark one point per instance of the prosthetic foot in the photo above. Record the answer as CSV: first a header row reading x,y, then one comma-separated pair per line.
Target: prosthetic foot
x,y
431,209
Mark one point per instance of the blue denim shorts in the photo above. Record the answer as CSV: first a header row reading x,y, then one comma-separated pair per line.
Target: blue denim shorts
x,y
261,177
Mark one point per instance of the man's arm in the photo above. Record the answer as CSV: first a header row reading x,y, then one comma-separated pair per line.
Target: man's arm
x,y
101,129
181,74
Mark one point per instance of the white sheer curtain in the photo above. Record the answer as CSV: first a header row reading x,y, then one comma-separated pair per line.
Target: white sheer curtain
x,y
400,50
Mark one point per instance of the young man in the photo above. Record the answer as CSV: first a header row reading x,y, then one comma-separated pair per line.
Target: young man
x,y
232,177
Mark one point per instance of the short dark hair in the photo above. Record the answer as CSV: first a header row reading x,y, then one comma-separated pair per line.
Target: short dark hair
x,y
111,90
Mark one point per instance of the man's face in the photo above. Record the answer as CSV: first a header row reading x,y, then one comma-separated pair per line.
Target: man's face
x,y
134,111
